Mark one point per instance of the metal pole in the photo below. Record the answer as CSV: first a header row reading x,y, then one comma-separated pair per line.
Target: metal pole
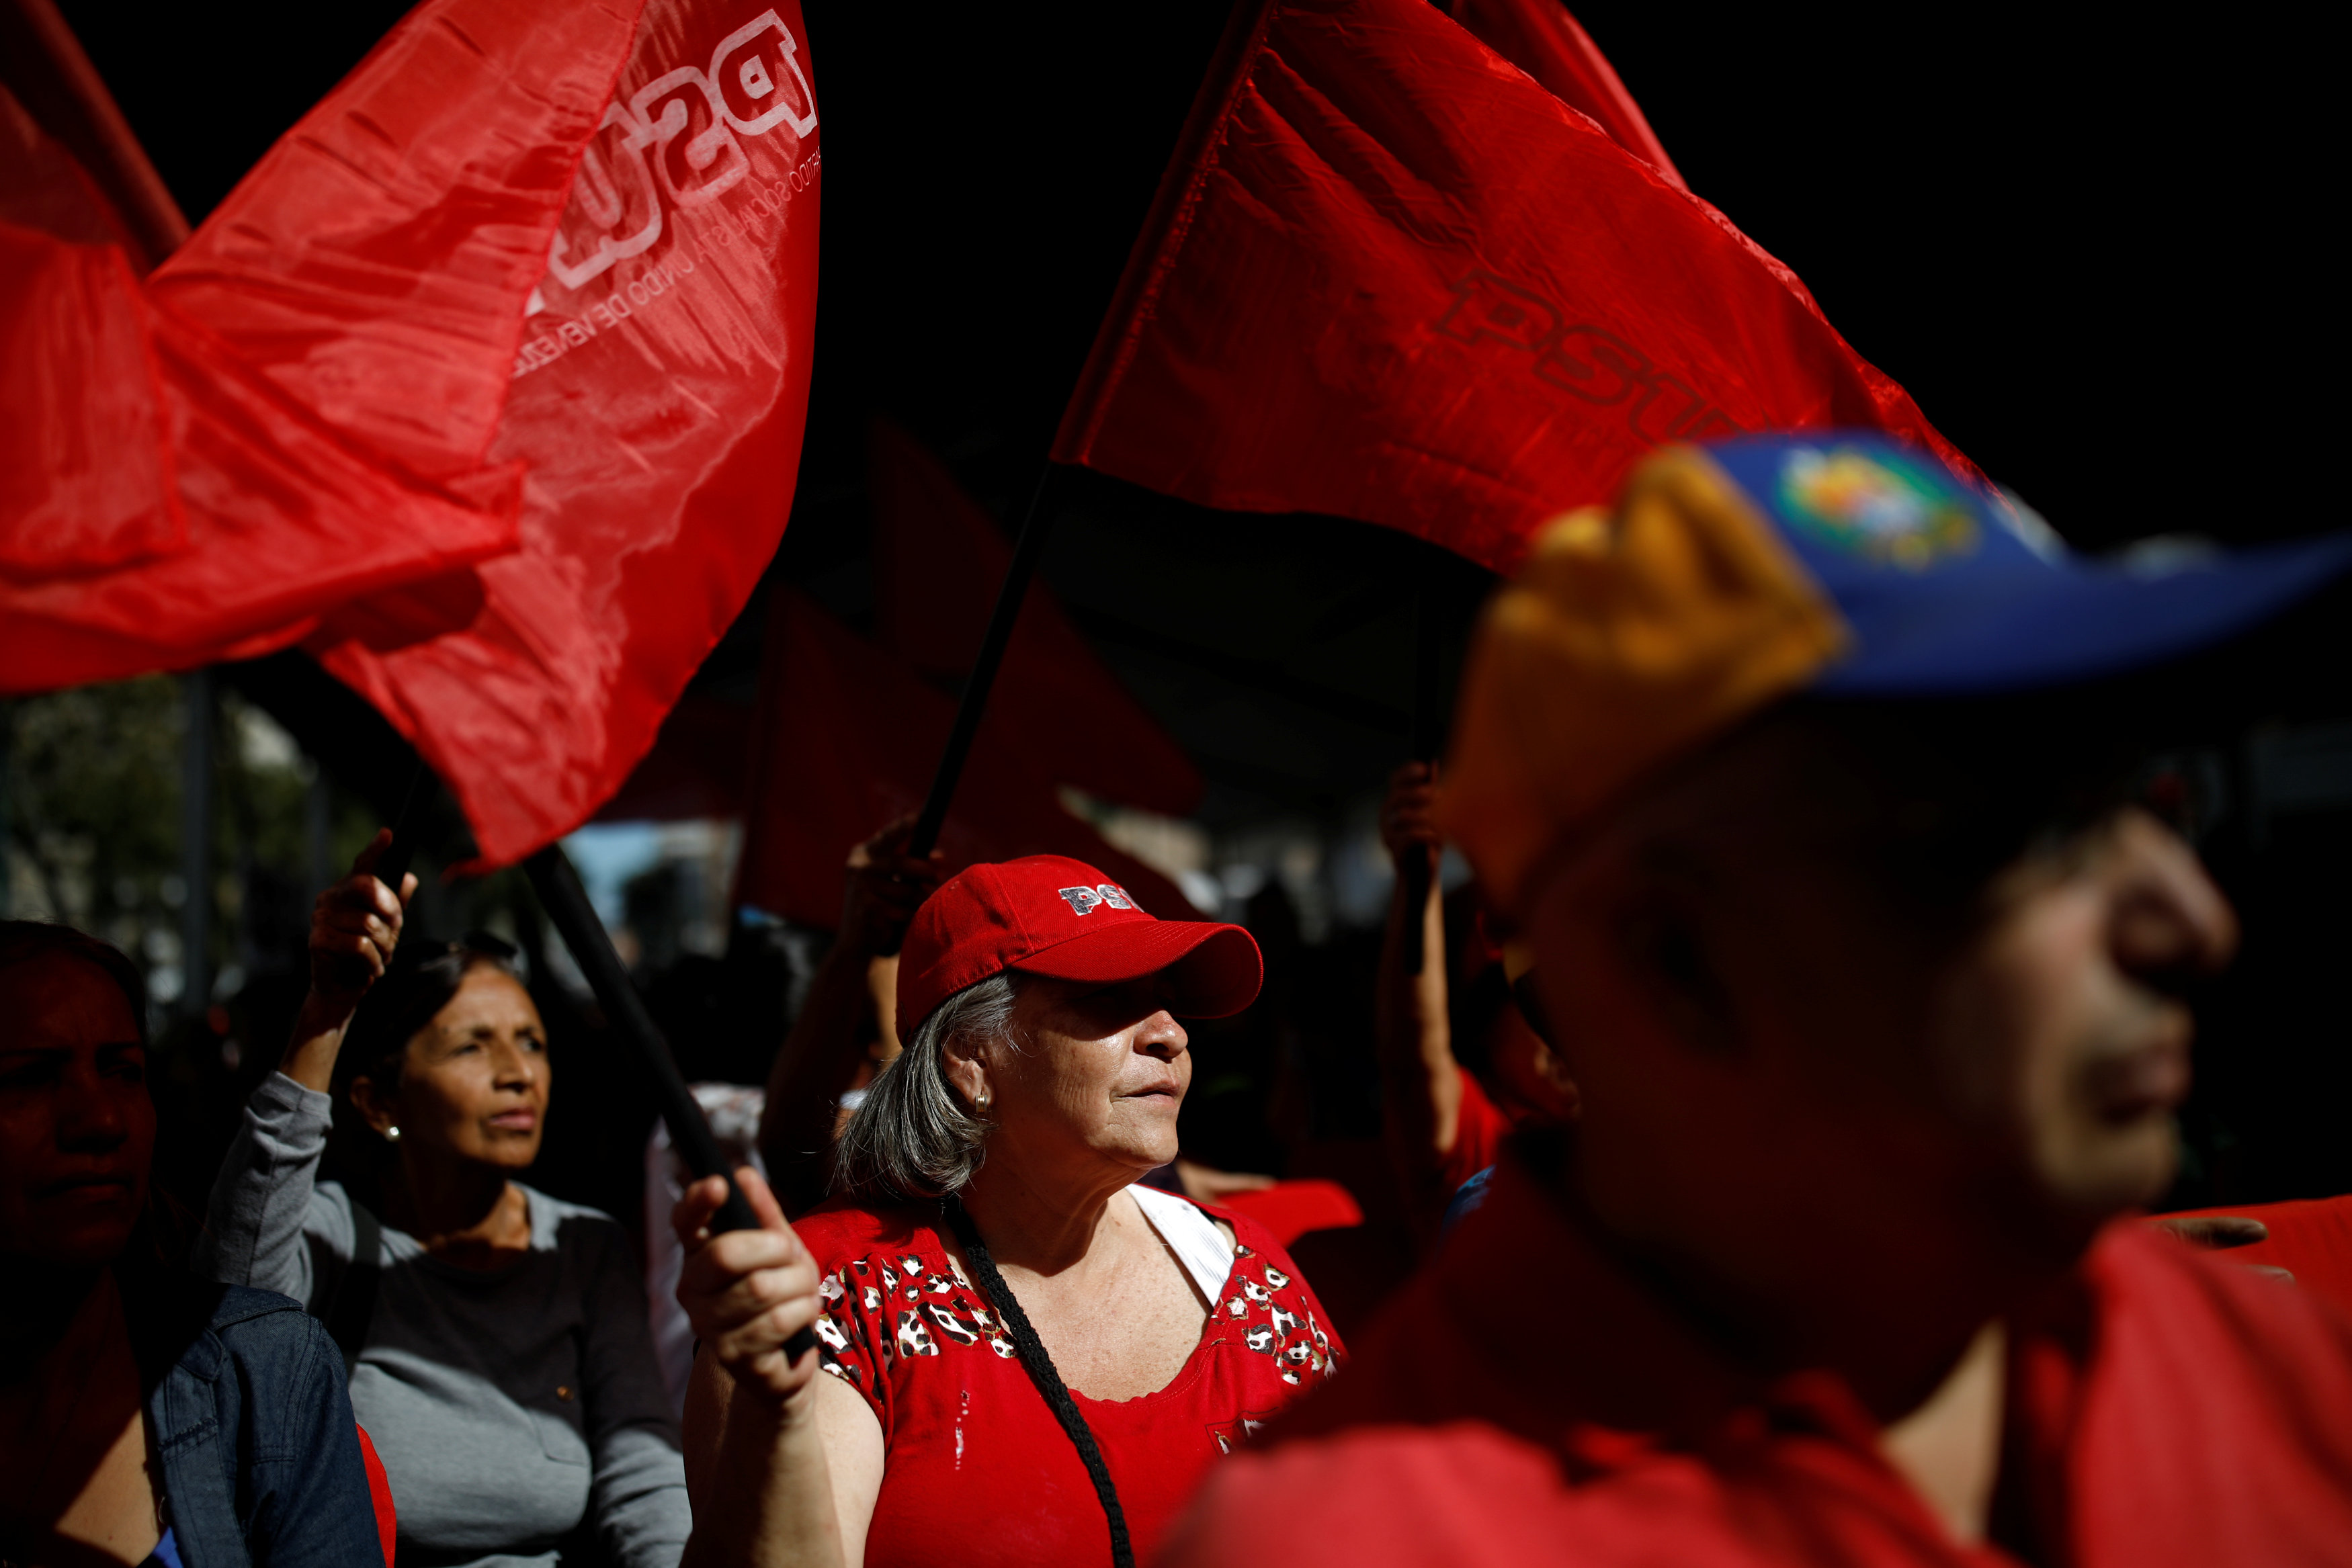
x,y
196,845
1034,525
566,902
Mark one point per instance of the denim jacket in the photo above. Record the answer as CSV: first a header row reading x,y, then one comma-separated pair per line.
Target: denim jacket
x,y
253,1431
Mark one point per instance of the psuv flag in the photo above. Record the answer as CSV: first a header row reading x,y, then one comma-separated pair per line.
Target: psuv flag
x,y
1390,276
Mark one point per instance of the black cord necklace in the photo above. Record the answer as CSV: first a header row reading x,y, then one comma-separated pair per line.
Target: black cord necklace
x,y
1039,1367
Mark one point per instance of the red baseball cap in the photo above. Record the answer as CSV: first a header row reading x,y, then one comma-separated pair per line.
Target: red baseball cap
x,y
1051,915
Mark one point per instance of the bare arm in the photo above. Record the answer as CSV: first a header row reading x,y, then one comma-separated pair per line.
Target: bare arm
x,y
354,929
820,1055
798,1468
1421,1083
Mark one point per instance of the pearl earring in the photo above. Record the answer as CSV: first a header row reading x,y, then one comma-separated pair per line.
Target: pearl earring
x,y
392,1135
983,1101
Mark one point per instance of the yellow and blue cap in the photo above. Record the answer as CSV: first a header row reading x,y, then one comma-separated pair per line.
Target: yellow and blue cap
x,y
1730,576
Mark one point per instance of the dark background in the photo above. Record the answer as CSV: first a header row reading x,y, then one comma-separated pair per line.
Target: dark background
x,y
2091,252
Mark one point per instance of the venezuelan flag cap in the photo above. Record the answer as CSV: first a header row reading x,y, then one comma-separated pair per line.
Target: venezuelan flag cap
x,y
1732,575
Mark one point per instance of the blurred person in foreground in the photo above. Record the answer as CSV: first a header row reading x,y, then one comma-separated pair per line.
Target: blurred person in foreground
x,y
496,1336
1870,980
1024,1356
1444,1128
145,1416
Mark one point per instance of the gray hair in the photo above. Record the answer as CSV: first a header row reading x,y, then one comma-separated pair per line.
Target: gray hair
x,y
912,1137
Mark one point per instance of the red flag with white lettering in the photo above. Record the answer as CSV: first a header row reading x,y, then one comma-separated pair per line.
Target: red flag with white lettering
x,y
1390,278
654,410
293,409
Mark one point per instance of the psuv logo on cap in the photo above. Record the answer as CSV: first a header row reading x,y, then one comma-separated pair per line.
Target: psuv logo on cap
x,y
1087,900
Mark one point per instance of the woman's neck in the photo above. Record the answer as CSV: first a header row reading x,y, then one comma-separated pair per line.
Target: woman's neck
x,y
1045,1224
459,1209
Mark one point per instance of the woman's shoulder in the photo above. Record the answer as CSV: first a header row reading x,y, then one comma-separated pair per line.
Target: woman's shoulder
x,y
201,1328
558,1224
842,1229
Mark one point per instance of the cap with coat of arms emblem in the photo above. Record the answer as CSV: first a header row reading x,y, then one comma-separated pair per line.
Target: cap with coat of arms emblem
x,y
1064,919
1732,575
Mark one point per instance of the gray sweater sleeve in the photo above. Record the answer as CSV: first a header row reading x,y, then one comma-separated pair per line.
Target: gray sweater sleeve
x,y
638,1499
270,1224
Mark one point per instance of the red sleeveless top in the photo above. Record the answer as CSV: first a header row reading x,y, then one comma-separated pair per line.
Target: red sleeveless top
x,y
976,1469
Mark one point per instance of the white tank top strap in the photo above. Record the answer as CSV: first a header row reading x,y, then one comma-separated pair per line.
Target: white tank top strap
x,y
1191,1235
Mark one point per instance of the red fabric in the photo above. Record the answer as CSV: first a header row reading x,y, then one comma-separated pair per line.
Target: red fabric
x,y
976,1469
938,560
1542,39
656,406
1479,1130
1054,916
1289,1210
199,465
2310,1239
697,766
846,739
1526,1403
387,1519
1393,278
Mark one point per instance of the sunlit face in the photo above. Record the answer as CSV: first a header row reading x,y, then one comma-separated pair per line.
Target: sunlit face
x,y
1768,1045
2057,1034
1099,1077
473,1082
77,1127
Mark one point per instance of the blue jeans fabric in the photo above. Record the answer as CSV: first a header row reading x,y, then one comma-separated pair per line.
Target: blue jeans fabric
x,y
253,1430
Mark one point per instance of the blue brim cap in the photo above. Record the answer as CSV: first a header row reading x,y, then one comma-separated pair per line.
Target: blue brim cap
x,y
1945,589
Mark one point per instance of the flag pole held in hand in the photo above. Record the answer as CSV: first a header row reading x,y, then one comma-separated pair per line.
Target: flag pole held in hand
x,y
566,902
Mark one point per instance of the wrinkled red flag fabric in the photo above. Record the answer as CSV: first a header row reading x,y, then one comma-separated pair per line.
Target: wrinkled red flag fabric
x,y
1544,40
291,411
937,560
1389,276
846,739
654,408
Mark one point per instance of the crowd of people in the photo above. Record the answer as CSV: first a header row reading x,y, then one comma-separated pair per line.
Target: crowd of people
x,y
1773,1117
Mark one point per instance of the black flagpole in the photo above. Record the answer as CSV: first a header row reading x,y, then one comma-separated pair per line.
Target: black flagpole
x,y
566,902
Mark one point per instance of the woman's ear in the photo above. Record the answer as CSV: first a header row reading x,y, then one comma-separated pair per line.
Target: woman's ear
x,y
376,1110
967,1074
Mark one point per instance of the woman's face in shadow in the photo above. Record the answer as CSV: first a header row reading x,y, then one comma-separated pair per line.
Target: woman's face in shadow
x,y
77,1127
473,1082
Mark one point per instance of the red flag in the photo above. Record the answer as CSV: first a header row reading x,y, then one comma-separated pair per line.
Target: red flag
x,y
1542,39
197,467
846,740
1390,278
657,404
938,559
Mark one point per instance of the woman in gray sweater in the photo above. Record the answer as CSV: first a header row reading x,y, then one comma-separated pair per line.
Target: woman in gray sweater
x,y
501,1359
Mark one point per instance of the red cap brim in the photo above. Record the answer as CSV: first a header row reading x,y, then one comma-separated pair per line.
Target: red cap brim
x,y
1217,969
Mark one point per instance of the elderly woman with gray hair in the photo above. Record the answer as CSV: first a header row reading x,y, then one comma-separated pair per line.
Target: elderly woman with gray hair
x,y
1025,1356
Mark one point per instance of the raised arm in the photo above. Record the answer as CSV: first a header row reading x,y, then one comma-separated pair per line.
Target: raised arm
x,y
1420,1082
783,1464
265,1202
355,928
820,1057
